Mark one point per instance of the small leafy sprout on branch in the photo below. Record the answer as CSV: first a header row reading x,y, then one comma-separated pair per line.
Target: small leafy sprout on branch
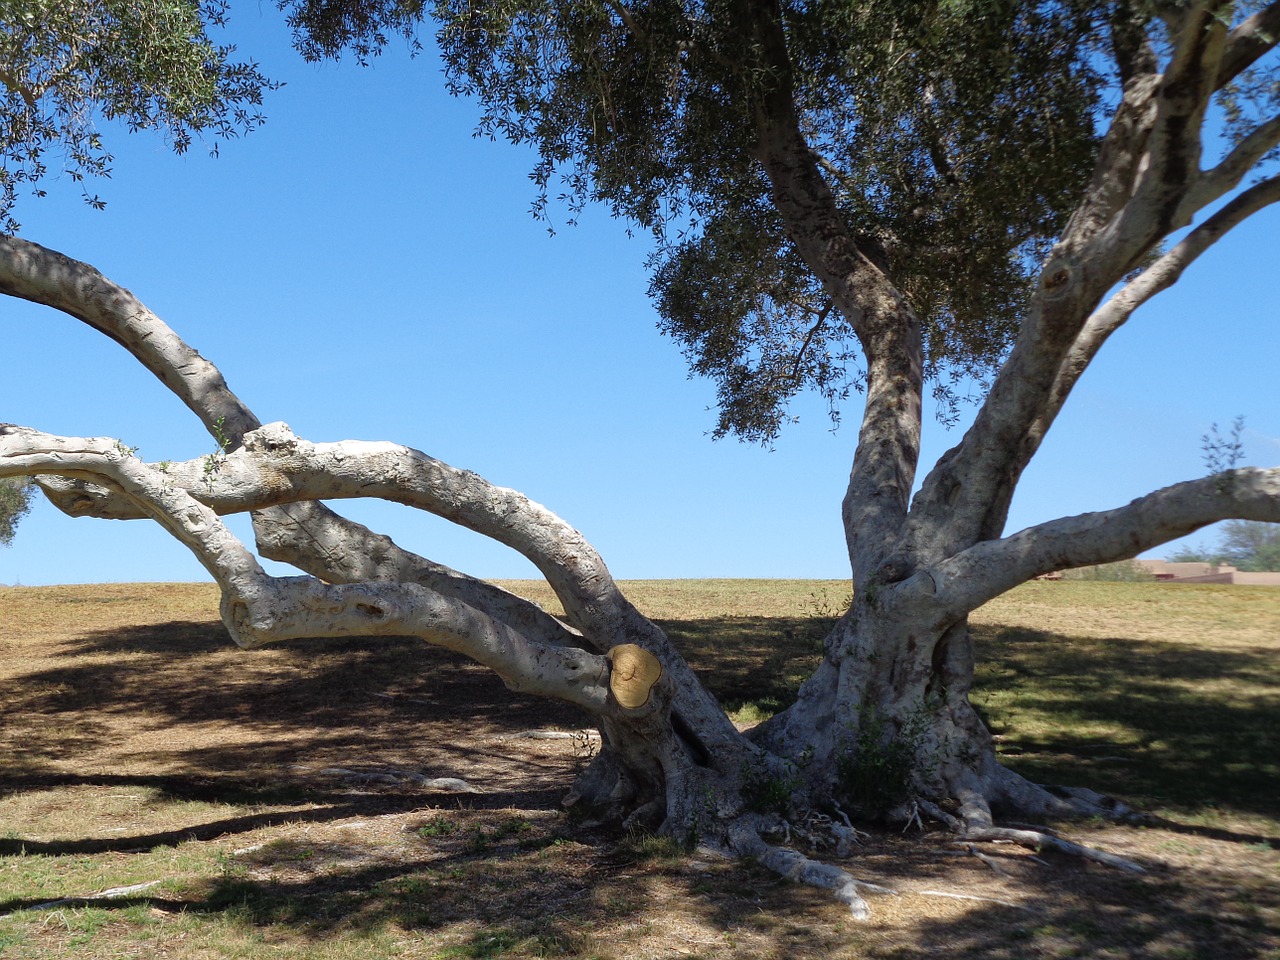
x,y
1223,453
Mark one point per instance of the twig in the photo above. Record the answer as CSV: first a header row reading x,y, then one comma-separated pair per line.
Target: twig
x,y
989,861
966,896
115,893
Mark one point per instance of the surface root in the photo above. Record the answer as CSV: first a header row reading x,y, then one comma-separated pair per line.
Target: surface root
x,y
745,841
975,825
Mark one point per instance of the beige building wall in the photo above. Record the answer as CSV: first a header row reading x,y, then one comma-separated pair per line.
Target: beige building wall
x,y
1207,573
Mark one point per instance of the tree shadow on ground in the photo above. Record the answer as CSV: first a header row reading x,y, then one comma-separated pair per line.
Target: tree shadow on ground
x,y
179,698
194,719
752,660
1162,724
504,883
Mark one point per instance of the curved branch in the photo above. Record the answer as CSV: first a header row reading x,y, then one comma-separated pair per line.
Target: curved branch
x,y
591,598
31,272
340,550
259,609
40,275
1247,43
1226,176
890,333
1159,276
318,541
1147,167
988,569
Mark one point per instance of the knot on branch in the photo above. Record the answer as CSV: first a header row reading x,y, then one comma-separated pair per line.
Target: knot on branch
x,y
633,673
271,438
1057,280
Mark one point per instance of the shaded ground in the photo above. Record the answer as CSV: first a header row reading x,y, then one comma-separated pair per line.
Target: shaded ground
x,y
316,799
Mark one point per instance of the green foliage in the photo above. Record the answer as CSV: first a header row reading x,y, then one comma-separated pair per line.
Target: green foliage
x,y
149,64
436,827
1196,554
880,768
765,791
15,503
1251,545
480,840
954,136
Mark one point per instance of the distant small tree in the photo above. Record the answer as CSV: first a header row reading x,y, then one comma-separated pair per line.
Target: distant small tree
x,y
15,501
1251,544
1196,554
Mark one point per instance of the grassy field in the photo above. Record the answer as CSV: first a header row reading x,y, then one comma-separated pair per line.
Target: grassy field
x,y
165,795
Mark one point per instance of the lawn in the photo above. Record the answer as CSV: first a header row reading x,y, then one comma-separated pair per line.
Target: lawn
x,y
163,794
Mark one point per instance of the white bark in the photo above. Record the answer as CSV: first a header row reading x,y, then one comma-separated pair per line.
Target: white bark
x,y
886,326
259,609
1247,42
1146,184
32,272
987,569
311,536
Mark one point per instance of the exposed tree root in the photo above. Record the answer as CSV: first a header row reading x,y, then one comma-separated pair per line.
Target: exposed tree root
x,y
89,899
975,824
1040,840
745,841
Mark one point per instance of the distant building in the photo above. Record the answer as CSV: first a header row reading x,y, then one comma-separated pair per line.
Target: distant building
x,y
1196,572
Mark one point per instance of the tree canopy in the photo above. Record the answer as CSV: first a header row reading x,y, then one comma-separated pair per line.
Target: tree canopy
x,y
954,136
66,65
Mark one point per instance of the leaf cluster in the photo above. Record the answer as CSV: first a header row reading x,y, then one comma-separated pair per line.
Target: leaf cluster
x,y
66,65
326,29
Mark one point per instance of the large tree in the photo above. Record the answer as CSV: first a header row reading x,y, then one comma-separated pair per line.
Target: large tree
x,y
879,198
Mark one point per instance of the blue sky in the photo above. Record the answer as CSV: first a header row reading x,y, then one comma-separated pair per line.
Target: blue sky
x,y
363,267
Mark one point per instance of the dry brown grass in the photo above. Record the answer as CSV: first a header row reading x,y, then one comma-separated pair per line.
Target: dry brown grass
x,y
139,746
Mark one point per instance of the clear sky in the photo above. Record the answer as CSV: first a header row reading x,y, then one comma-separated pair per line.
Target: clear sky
x,y
362,267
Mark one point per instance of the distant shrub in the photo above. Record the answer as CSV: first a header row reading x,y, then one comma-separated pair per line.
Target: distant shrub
x,y
1122,571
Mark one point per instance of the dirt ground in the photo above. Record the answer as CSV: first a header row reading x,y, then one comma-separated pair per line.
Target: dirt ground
x,y
347,778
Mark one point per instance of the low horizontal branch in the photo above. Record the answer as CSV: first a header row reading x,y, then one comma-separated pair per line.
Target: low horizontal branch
x,y
987,569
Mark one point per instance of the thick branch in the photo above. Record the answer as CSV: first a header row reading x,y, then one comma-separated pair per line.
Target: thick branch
x,y
353,553
40,275
1161,275
888,330
1148,163
988,569
32,272
1172,161
259,609
585,587
1247,43
318,541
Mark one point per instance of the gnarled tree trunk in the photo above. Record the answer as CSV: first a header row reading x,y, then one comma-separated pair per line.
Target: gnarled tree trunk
x,y
884,725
